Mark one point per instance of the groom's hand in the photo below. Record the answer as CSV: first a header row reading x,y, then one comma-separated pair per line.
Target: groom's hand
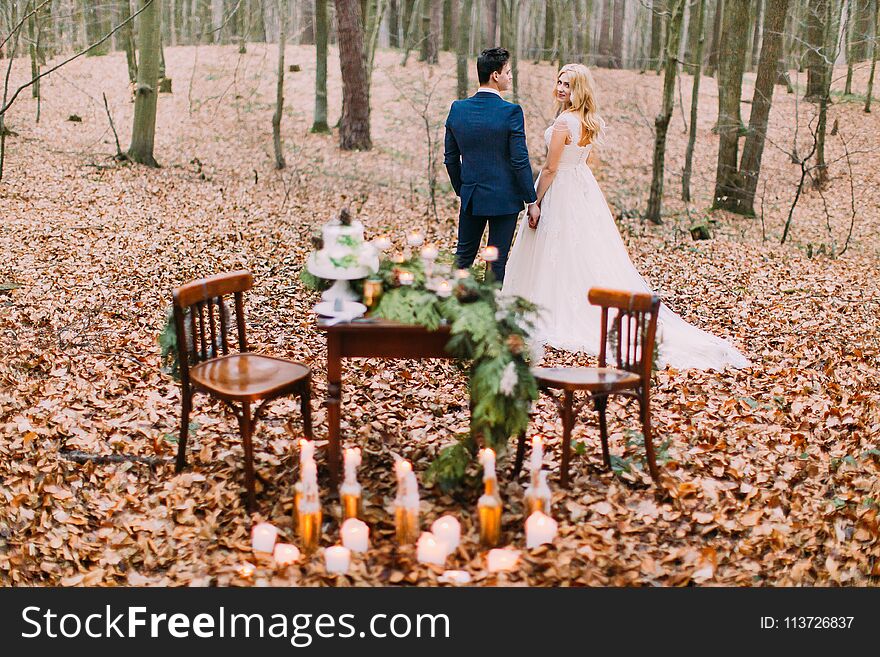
x,y
534,215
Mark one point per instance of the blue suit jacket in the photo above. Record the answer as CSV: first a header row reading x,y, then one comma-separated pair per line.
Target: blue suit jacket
x,y
486,155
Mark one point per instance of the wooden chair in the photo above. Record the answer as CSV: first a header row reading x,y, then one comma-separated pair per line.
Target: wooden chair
x,y
203,327
634,327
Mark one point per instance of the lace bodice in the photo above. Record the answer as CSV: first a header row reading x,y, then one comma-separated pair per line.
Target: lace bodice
x,y
572,154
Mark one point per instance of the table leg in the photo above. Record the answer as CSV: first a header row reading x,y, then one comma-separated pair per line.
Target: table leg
x,y
334,405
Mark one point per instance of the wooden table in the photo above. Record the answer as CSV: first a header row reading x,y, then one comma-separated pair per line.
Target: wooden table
x,y
369,338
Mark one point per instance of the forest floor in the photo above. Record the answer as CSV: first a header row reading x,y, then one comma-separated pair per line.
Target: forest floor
x,y
770,472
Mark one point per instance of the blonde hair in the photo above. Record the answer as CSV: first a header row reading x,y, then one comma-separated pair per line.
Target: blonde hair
x,y
583,102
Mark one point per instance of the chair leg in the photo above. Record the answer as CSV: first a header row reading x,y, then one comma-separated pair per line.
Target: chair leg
x,y
645,407
520,453
184,430
601,405
567,425
305,400
246,429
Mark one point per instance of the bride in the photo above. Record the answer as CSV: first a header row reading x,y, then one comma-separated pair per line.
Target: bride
x,y
575,245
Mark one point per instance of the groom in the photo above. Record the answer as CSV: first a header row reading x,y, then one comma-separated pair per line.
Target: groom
x,y
488,163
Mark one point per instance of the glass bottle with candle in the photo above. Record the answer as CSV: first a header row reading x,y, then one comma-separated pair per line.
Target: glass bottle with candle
x,y
538,494
406,508
309,510
306,454
351,492
489,506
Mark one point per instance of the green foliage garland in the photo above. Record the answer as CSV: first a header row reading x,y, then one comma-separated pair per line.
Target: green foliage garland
x,y
489,331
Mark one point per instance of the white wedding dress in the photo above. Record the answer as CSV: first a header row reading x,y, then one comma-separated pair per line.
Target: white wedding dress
x,y
577,246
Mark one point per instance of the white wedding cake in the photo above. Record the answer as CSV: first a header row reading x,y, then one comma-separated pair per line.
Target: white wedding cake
x,y
343,253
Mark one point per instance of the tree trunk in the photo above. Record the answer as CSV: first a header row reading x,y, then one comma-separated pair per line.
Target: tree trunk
x,y
829,40
753,149
127,36
33,49
307,34
699,20
322,31
394,24
491,23
461,55
279,89
661,122
817,13
617,39
450,10
144,124
410,37
434,32
549,30
354,126
717,25
604,59
510,39
756,37
734,43
657,9
849,44
96,28
870,91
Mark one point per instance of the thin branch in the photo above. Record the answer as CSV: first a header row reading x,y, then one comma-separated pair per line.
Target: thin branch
x,y
8,104
21,22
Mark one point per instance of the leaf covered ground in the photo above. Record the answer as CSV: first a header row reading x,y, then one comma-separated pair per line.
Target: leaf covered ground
x,y
771,472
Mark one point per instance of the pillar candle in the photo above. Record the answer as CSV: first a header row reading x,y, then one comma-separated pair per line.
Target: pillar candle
x,y
537,456
540,529
263,537
285,554
430,550
337,559
355,535
447,530
415,238
501,559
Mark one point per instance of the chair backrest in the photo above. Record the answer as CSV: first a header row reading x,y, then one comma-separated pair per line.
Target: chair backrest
x,y
633,327
202,318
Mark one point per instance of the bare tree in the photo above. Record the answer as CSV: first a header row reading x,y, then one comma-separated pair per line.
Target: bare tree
x,y
354,126
322,31
700,19
661,122
143,132
279,90
461,54
734,41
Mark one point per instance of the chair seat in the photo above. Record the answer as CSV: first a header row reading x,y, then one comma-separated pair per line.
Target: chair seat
x,y
593,379
247,376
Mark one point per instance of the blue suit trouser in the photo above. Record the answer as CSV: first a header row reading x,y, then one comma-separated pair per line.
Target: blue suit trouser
x,y
470,234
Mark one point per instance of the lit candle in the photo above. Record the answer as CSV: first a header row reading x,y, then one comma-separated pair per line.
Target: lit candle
x,y
447,530
306,451
540,528
537,456
415,238
406,278
490,253
406,507
461,274
382,242
397,258
285,554
430,252
444,289
355,535
309,514
350,491
401,467
501,559
263,537
246,569
489,507
337,559
430,550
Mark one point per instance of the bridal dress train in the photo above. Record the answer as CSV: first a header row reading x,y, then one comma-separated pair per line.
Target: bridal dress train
x,y
577,246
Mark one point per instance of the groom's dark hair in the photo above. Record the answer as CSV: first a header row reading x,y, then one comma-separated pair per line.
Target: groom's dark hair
x,y
489,61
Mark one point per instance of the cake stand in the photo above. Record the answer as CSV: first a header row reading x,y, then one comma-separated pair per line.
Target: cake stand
x,y
339,301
